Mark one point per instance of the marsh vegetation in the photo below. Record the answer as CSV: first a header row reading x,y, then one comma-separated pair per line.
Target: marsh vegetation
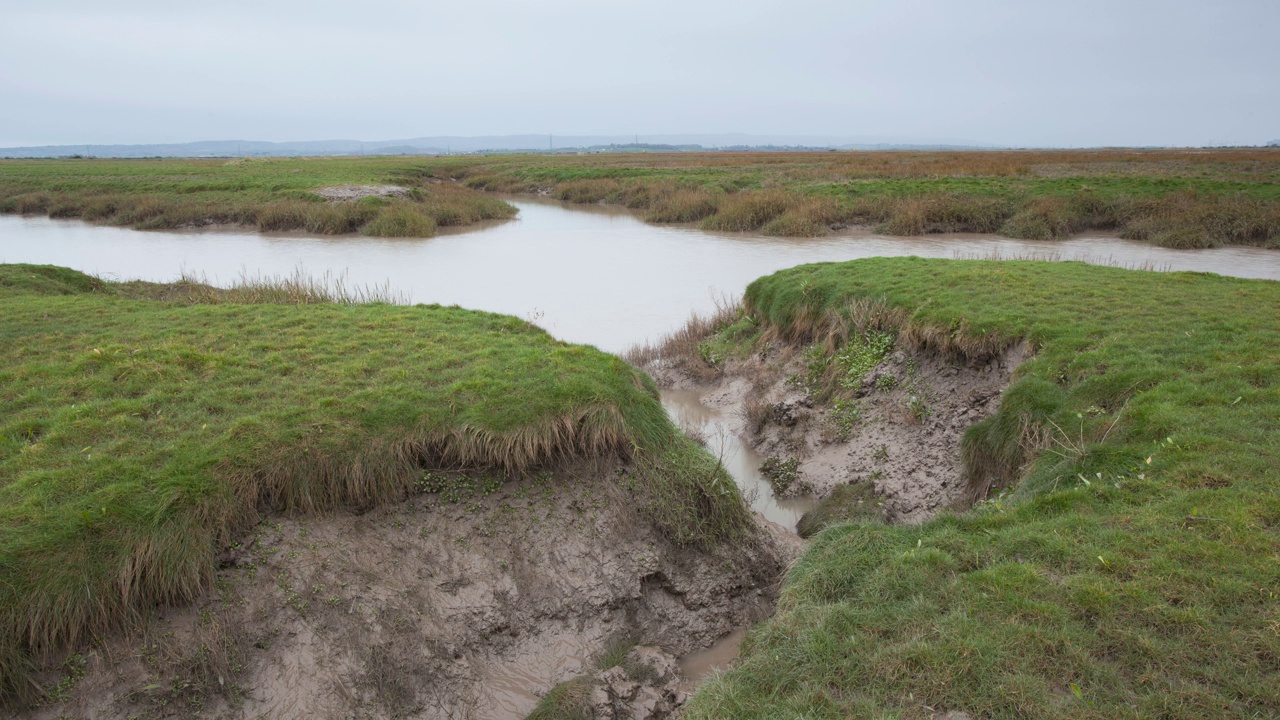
x,y
1173,198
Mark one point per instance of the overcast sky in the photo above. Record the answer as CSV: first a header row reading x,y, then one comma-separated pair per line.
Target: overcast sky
x,y
1065,73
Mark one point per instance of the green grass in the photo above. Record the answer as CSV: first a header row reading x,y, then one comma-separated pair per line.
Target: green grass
x,y
848,502
142,426
569,700
271,195
1129,569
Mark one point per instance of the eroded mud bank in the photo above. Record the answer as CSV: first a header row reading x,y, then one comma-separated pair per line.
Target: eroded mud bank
x,y
449,605
897,435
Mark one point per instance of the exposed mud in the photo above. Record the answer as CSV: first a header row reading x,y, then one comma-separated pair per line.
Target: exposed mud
x,y
900,432
436,609
355,192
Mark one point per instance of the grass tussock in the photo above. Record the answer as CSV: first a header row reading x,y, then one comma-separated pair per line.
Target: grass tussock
x,y
685,349
570,700
749,210
401,220
682,205
853,502
143,425
1125,571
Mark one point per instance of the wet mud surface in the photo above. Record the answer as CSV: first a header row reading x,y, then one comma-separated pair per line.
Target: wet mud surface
x,y
899,434
436,609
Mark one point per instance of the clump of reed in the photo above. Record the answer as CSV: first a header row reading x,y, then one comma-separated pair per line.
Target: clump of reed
x,y
807,217
450,204
586,191
683,348
682,205
749,210
401,220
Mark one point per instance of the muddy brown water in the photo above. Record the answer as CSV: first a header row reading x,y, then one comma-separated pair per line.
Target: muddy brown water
x,y
588,274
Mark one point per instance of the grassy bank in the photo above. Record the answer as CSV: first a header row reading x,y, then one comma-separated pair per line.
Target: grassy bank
x,y
1176,198
1129,567
270,195
141,426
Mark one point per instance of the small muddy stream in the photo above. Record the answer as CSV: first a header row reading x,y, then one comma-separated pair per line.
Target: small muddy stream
x,y
742,462
593,275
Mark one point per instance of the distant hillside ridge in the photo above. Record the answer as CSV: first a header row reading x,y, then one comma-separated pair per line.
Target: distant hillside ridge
x,y
448,144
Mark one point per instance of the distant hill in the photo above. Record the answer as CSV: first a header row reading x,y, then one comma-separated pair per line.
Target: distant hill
x,y
487,143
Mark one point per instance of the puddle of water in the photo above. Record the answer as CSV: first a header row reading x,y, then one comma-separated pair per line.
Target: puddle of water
x,y
588,274
742,462
697,667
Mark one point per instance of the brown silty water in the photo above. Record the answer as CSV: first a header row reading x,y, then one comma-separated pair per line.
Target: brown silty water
x,y
589,274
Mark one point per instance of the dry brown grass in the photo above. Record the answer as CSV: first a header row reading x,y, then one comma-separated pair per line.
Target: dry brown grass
x,y
682,205
750,210
682,349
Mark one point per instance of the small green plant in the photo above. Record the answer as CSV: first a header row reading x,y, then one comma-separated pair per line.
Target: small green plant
x,y
709,354
886,383
780,472
881,453
839,423
816,361
73,671
861,355
919,408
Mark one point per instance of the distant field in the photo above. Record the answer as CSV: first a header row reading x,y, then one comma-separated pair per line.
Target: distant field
x,y
1175,198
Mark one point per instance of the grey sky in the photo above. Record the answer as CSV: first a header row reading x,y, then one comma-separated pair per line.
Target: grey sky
x,y
1009,73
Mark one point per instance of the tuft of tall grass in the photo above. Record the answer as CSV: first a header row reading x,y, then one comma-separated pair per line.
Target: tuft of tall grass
x,y
682,205
749,210
286,215
339,218
401,220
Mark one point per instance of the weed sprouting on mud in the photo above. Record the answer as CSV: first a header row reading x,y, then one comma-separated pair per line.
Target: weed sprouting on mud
x,y
781,472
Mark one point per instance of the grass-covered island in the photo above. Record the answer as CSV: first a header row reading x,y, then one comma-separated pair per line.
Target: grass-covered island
x,y
1127,561
143,426
1177,197
384,197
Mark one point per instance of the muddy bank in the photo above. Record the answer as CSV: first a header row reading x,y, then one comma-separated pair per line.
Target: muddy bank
x,y
896,436
449,605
